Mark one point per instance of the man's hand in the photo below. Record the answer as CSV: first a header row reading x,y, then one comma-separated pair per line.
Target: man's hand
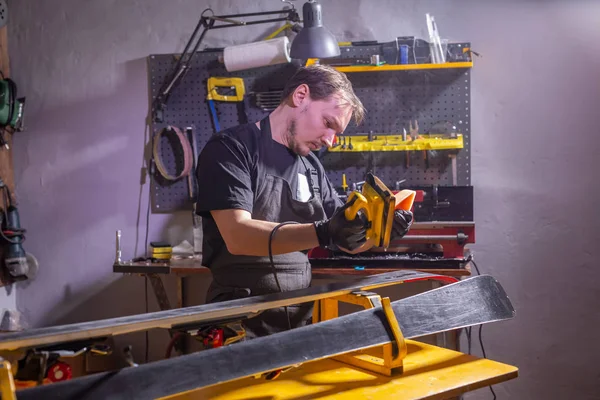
x,y
401,225
337,232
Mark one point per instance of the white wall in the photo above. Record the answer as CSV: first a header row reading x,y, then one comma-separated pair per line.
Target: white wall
x,y
535,97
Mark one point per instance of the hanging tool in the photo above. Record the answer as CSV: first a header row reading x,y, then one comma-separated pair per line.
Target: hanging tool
x,y
447,130
378,203
186,149
414,135
407,154
344,184
16,260
336,142
268,100
233,84
192,184
11,108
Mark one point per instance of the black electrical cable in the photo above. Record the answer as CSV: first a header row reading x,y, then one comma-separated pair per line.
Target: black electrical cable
x,y
16,241
476,267
484,356
147,338
480,328
468,330
271,236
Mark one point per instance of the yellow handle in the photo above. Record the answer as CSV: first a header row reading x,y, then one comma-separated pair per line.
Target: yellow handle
x,y
214,82
359,204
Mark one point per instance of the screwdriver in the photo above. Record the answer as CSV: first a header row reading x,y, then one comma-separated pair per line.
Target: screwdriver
x,y
344,184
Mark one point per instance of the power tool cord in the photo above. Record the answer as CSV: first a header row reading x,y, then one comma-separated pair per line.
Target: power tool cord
x,y
271,236
146,301
480,337
10,230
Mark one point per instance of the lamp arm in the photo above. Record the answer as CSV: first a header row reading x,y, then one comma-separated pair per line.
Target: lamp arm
x,y
185,60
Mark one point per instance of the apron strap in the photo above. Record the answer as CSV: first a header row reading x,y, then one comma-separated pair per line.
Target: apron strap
x,y
313,180
264,125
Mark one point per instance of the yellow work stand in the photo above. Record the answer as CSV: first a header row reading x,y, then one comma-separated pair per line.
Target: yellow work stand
x,y
412,370
430,372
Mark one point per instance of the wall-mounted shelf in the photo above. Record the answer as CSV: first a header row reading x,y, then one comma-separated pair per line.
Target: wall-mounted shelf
x,y
361,143
397,67
403,67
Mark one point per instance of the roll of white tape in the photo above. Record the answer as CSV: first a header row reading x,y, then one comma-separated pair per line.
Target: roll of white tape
x,y
257,54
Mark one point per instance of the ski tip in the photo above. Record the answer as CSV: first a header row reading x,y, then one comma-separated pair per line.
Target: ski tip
x,y
496,294
503,297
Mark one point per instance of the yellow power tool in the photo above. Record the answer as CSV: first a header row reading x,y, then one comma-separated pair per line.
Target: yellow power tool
x,y
378,203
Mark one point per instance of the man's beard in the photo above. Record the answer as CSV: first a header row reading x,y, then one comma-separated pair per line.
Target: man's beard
x,y
293,144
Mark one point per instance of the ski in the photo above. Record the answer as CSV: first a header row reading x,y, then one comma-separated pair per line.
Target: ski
x,y
473,301
181,317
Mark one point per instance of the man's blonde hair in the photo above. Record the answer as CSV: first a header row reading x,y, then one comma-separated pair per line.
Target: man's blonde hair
x,y
324,81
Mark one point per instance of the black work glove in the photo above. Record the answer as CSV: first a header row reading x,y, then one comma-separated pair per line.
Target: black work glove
x,y
337,232
401,225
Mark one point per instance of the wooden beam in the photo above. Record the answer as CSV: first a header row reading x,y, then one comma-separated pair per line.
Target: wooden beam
x,y
4,61
6,155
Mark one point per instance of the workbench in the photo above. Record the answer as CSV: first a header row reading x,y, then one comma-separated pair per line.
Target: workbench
x,y
189,267
186,267
430,372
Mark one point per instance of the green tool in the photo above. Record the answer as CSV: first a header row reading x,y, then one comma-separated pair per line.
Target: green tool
x,y
11,108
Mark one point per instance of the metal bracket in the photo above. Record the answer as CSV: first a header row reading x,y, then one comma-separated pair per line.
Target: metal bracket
x,y
401,349
385,360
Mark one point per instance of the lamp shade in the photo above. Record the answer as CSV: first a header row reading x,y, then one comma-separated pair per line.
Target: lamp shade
x,y
314,40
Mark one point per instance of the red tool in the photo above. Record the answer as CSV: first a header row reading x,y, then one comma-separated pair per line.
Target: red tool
x,y
213,338
60,371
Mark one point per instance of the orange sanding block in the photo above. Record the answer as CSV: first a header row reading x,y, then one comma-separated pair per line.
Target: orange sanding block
x,y
405,199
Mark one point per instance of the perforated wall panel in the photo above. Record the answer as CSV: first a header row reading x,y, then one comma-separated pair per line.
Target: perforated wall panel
x,y
392,99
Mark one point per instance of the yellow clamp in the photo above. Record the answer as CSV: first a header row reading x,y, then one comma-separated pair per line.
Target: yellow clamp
x,y
215,82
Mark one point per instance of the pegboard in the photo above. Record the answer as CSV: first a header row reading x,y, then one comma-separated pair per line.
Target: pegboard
x,y
394,98
187,107
391,98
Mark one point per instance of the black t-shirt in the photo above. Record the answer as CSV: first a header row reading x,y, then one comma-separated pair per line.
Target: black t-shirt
x,y
232,165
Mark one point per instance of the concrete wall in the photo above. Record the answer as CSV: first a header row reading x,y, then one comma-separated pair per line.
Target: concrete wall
x,y
535,97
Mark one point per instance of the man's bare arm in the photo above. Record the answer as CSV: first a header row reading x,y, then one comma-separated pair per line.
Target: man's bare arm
x,y
246,236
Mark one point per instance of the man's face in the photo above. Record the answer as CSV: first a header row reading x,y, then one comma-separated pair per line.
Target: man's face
x,y
316,122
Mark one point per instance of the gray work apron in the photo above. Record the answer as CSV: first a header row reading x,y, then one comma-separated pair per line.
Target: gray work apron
x,y
242,276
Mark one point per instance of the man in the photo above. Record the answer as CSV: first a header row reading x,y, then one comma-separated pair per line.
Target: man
x,y
254,176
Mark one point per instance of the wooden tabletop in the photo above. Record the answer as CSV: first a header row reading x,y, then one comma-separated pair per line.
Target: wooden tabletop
x,y
192,267
430,372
